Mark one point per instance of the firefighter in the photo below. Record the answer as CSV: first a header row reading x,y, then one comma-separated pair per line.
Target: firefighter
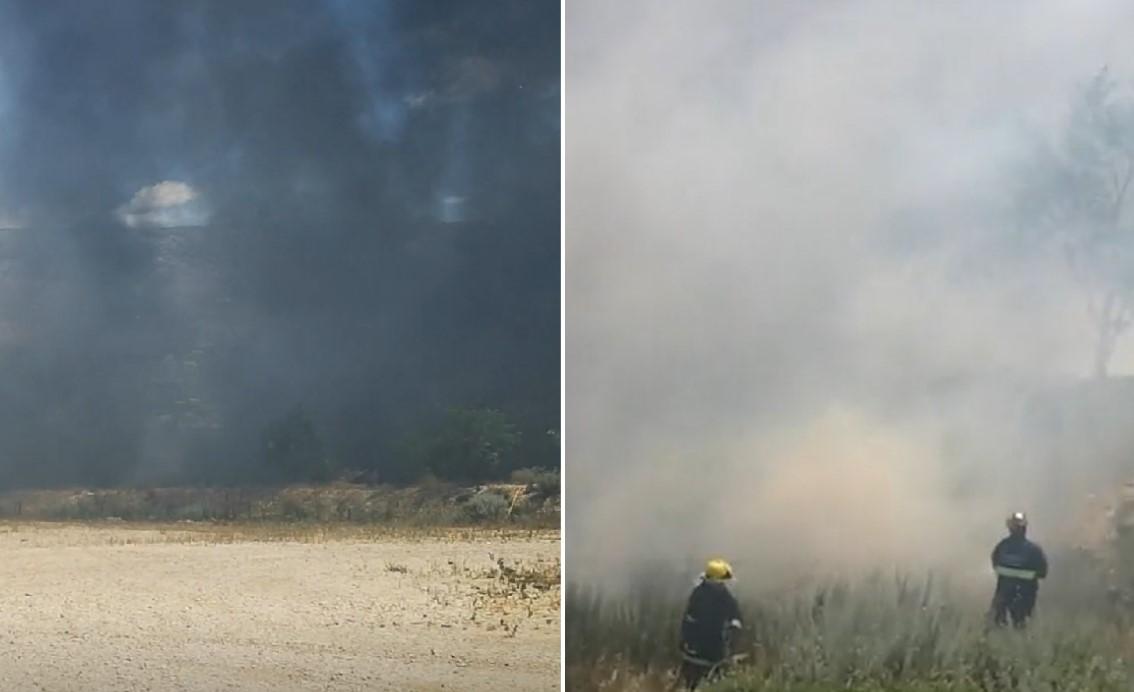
x,y
1019,565
710,616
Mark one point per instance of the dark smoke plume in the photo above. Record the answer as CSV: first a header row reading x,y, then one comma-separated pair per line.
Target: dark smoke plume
x,y
215,211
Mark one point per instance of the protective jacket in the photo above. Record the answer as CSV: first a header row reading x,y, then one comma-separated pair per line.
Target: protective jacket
x,y
710,609
1019,565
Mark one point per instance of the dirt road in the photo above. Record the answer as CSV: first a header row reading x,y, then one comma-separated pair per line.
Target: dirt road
x,y
114,607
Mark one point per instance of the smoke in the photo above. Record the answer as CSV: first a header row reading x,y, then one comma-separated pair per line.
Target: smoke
x,y
168,204
804,328
214,212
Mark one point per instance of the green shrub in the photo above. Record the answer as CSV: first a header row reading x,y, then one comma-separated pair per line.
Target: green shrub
x,y
487,506
543,481
467,445
293,448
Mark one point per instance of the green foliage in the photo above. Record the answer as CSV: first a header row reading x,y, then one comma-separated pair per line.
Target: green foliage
x,y
293,448
468,445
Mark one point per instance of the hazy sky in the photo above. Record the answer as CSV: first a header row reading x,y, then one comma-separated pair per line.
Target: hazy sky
x,y
803,324
216,211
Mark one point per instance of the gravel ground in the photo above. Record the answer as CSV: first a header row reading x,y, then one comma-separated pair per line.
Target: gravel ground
x,y
116,607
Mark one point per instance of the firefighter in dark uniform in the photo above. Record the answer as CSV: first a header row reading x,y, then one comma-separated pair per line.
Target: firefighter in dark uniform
x,y
711,615
1019,565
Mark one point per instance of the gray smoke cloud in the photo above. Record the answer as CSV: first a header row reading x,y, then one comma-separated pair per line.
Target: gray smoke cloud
x,y
804,328
212,212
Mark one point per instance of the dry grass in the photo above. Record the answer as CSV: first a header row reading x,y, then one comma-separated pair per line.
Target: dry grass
x,y
432,504
503,596
214,533
879,635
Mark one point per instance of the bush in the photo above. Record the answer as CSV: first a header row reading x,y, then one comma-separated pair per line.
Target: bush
x,y
468,445
543,481
487,506
294,449
539,448
433,487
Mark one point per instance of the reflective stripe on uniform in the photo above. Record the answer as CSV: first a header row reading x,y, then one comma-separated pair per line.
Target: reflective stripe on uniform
x,y
1015,573
696,660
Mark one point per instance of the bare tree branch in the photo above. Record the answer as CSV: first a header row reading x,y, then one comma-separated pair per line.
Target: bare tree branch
x,y
1119,201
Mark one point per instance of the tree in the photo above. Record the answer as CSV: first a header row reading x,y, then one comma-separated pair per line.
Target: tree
x,y
1079,195
294,449
466,445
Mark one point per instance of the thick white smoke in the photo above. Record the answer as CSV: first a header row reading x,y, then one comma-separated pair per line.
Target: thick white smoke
x,y
803,327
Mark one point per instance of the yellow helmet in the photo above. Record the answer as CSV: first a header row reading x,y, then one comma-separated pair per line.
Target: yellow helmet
x,y
718,570
1016,521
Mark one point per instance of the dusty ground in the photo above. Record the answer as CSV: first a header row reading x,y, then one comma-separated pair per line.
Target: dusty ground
x,y
120,607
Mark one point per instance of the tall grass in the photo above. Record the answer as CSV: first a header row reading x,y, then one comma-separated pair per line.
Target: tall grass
x,y
879,634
